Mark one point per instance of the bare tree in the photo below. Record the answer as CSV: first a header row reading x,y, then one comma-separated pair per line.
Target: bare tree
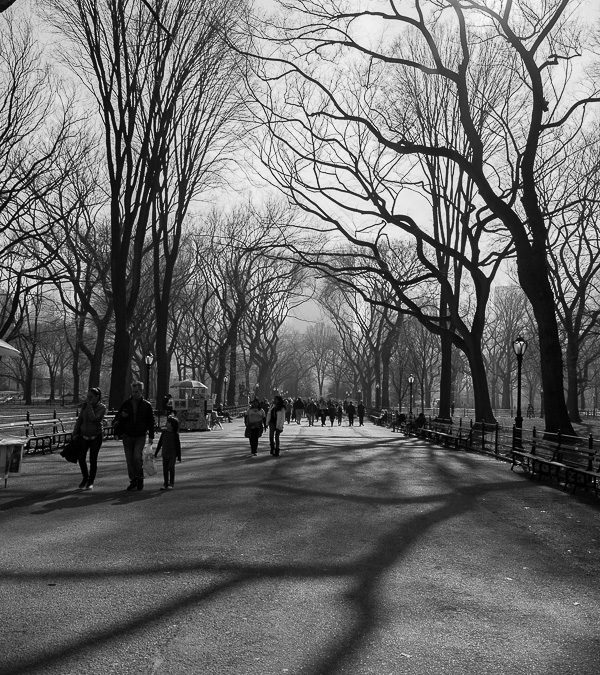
x,y
368,331
507,318
321,341
240,277
140,64
35,125
572,196
200,144
75,250
323,133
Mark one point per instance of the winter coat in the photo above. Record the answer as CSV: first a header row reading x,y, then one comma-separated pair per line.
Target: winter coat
x,y
89,422
140,424
276,418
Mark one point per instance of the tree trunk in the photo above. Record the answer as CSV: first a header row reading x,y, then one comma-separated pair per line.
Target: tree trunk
x,y
572,378
232,382
96,360
533,278
163,365
120,366
481,392
507,386
445,375
584,379
385,380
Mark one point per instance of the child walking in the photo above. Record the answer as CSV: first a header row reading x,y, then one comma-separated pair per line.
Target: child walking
x,y
171,450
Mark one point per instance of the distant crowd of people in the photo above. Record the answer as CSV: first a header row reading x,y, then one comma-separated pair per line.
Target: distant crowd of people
x,y
263,415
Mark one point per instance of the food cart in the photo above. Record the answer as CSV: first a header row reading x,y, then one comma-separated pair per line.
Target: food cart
x,y
189,401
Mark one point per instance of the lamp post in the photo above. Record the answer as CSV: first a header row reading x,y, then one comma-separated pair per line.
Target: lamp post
x,y
225,381
411,379
377,401
519,347
149,359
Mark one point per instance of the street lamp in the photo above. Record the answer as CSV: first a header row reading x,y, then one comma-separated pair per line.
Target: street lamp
x,y
225,381
411,379
149,359
377,401
519,347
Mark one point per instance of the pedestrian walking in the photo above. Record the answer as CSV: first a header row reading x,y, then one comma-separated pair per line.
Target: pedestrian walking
x,y
360,411
134,422
323,411
311,412
331,411
275,422
170,445
254,419
288,409
298,410
350,411
339,412
88,429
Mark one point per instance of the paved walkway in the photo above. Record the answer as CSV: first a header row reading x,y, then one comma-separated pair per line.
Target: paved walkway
x,y
357,551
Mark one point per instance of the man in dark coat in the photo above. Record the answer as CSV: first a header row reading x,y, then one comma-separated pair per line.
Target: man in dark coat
x,y
350,411
360,409
135,421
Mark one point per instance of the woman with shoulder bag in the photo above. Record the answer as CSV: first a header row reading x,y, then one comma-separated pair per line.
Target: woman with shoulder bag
x,y
88,430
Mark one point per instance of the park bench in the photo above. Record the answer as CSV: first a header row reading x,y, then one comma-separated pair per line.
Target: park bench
x,y
47,443
399,422
568,460
379,420
536,462
579,470
439,431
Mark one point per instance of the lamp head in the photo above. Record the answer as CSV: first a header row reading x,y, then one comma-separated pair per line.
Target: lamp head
x,y
520,345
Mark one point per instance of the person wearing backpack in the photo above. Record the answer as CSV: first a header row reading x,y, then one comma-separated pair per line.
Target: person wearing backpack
x,y
254,420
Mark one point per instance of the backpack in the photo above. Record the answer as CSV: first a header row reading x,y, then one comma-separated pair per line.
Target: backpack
x,y
255,418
